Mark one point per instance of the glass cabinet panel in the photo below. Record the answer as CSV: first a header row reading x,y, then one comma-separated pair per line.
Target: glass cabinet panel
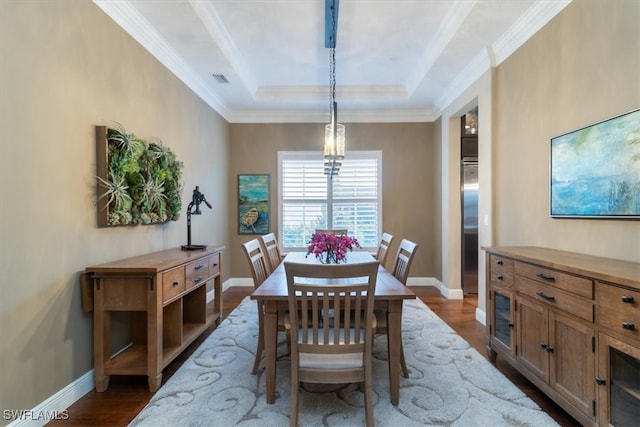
x,y
503,323
625,388
502,311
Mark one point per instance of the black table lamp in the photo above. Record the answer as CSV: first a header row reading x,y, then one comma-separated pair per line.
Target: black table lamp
x,y
198,198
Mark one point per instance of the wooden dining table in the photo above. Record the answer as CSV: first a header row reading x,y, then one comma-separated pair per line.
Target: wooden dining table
x,y
390,293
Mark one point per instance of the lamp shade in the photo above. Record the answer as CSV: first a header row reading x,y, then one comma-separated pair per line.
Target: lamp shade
x,y
334,149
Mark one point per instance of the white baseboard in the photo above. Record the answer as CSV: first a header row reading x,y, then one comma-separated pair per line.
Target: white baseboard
x,y
481,316
55,406
238,281
432,281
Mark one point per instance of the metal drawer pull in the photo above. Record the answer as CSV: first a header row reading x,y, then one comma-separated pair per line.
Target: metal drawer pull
x,y
628,326
547,347
545,277
499,277
175,283
198,279
510,324
547,297
627,299
199,267
499,262
600,381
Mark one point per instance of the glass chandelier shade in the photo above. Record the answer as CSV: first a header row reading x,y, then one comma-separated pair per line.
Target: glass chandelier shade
x,y
333,142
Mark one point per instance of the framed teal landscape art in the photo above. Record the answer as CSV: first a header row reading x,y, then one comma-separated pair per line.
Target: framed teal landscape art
x,y
253,204
595,170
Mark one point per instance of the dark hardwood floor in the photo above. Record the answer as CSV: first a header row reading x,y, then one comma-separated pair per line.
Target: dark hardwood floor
x,y
127,395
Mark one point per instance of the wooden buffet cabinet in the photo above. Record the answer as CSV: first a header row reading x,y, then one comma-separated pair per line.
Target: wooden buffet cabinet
x,y
166,293
570,323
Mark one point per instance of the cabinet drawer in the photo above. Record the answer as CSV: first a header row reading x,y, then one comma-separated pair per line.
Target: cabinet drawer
x,y
173,283
214,264
574,284
556,298
618,309
501,270
197,272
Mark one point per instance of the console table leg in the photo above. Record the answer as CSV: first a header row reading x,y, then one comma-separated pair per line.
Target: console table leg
x,y
491,354
102,382
154,382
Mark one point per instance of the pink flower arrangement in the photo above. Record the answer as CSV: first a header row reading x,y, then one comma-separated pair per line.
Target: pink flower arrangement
x,y
330,248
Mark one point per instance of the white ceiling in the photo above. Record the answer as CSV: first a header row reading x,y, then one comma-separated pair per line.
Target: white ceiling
x,y
397,60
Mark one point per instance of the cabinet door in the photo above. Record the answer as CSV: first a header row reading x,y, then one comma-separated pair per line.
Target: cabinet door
x,y
619,382
572,361
532,335
502,331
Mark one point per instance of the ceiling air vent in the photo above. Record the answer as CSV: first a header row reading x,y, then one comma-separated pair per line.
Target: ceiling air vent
x,y
220,78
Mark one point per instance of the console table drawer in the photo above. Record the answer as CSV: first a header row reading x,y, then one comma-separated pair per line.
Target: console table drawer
x,y
618,309
214,264
197,272
173,283
552,296
574,284
501,270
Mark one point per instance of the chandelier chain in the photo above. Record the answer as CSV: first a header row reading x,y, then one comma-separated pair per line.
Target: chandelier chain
x,y
332,63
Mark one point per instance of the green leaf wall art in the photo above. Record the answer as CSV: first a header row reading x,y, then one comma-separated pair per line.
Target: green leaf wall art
x,y
138,181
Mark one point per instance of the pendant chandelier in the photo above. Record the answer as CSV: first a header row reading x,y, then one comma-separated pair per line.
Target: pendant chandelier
x,y
334,132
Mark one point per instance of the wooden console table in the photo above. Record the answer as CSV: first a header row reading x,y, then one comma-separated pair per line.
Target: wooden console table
x,y
570,323
166,293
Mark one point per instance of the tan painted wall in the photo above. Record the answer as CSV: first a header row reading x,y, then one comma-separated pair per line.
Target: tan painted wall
x,y
66,67
583,67
409,168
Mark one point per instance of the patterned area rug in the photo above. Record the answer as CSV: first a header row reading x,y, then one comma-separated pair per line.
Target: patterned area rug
x,y
450,384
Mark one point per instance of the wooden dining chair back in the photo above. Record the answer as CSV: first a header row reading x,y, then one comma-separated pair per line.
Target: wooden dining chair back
x,y
404,259
259,272
383,248
257,261
401,267
272,250
331,325
338,232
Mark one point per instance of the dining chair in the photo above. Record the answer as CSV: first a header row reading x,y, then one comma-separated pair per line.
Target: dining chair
x,y
383,248
404,259
259,272
338,232
272,250
332,334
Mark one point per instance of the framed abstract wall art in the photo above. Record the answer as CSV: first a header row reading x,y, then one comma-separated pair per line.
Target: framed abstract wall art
x,y
253,204
595,170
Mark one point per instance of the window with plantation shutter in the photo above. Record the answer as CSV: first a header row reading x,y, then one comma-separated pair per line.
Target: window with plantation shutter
x,y
310,200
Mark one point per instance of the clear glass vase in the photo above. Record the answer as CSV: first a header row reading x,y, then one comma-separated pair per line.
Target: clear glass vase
x,y
329,257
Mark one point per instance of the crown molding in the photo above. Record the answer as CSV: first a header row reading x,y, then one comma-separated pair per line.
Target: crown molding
x,y
359,116
472,72
447,30
128,17
538,15
320,93
214,25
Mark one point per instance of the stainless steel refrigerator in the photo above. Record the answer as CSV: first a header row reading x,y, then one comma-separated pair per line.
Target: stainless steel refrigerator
x,y
469,199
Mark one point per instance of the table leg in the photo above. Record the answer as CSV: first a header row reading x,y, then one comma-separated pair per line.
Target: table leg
x,y
270,347
394,335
